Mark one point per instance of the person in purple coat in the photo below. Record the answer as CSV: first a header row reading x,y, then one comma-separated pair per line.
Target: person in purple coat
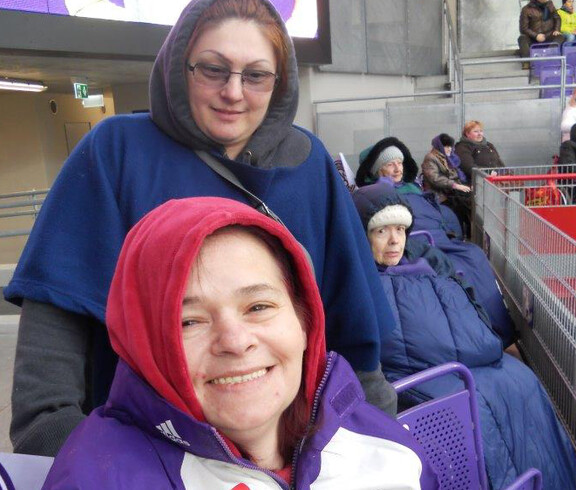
x,y
223,380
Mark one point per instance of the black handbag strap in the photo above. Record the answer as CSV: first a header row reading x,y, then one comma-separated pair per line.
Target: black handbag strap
x,y
228,175
257,203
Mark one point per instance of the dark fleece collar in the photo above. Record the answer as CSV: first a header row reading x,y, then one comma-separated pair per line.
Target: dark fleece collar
x,y
364,175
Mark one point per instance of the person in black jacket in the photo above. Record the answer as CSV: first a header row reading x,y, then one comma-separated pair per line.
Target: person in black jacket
x,y
539,23
475,151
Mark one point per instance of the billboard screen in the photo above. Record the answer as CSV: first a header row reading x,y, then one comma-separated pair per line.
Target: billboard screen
x,y
301,16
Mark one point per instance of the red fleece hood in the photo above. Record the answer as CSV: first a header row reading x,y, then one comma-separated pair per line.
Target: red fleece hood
x,y
145,300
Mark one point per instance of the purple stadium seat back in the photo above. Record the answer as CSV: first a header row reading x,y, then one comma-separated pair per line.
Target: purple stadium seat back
x,y
538,50
569,50
426,234
448,428
553,76
529,480
445,427
23,471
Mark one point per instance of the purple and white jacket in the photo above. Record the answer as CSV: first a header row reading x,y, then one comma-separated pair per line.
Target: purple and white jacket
x,y
140,441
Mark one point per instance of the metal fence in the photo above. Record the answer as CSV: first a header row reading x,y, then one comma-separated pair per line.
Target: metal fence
x,y
18,205
525,220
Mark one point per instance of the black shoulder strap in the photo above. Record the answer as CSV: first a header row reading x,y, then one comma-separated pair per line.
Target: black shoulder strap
x,y
227,174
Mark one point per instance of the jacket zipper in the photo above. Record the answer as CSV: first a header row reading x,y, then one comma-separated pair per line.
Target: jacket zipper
x,y
298,449
243,464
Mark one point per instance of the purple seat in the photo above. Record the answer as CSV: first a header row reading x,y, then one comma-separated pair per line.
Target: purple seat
x,y
569,50
538,50
553,76
426,234
23,471
448,428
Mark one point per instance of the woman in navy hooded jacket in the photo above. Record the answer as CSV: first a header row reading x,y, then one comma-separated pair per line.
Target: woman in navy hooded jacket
x,y
226,82
223,380
467,258
439,321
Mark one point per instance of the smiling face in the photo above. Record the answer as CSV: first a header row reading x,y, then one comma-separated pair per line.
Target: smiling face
x,y
476,133
387,243
394,169
230,114
243,340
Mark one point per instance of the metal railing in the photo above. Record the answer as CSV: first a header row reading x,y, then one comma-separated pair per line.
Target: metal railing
x,y
451,51
563,85
455,67
20,204
535,263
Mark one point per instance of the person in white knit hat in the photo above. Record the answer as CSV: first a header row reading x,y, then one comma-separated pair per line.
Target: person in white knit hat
x,y
387,221
387,233
390,163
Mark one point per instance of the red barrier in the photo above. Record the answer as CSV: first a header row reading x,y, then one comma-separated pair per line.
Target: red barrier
x,y
562,217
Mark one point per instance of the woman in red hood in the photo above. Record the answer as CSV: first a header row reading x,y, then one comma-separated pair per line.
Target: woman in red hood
x,y
223,379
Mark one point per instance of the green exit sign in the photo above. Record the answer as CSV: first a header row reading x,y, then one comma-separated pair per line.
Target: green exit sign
x,y
80,90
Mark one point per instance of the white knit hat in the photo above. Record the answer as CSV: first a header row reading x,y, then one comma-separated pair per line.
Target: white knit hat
x,y
387,155
395,214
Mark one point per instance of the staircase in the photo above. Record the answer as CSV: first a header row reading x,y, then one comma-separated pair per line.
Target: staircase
x,y
486,76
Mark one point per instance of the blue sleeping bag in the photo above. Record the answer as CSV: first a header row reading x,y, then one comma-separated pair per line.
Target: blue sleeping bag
x,y
437,322
468,259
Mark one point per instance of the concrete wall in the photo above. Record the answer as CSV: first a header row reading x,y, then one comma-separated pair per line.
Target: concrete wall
x,y
33,146
489,25
130,97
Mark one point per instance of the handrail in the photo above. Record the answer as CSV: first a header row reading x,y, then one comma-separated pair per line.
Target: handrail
x,y
21,204
12,201
24,193
453,51
462,90
529,178
560,58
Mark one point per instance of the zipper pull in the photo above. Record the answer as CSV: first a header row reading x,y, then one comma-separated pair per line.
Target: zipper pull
x,y
247,157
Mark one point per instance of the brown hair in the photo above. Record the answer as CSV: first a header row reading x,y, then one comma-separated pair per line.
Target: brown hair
x,y
257,12
471,125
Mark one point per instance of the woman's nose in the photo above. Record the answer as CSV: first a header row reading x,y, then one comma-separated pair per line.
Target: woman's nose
x,y
232,336
234,89
394,237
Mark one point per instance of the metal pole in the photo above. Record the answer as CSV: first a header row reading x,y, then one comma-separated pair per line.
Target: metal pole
x,y
563,85
461,79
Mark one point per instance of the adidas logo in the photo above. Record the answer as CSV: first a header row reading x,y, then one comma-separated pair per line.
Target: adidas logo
x,y
169,431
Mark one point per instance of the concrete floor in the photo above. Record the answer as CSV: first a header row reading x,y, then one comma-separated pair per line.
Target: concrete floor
x,y
8,334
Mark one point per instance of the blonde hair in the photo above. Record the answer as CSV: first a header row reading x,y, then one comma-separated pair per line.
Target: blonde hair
x,y
471,125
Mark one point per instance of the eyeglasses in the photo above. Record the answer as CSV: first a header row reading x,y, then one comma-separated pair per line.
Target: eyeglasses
x,y
218,76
